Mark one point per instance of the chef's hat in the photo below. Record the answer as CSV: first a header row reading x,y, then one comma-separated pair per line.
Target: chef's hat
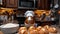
x,y
29,13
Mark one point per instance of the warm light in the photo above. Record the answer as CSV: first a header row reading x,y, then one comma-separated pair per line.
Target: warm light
x,y
58,12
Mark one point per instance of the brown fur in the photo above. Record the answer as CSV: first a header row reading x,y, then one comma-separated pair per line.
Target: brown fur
x,y
30,21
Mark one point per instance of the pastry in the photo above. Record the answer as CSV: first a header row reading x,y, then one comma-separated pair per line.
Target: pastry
x,y
33,32
38,28
52,30
46,27
31,28
23,30
43,31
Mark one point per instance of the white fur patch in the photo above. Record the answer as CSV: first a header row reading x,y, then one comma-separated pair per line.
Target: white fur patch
x,y
29,18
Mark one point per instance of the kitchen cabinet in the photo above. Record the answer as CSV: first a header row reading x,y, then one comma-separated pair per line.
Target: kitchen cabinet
x,y
12,3
4,3
44,4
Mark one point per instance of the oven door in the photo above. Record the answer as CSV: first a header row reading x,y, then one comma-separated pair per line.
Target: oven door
x,y
27,4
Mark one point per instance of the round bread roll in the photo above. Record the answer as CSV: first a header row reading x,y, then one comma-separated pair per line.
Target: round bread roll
x,y
31,28
22,28
46,27
33,32
52,30
38,28
23,32
43,31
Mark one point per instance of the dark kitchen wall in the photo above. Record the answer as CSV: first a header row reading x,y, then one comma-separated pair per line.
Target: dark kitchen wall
x,y
59,4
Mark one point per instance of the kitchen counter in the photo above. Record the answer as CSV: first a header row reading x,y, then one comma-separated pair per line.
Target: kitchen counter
x,y
2,32
50,33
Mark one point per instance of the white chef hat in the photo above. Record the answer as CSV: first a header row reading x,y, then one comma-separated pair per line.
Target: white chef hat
x,y
29,13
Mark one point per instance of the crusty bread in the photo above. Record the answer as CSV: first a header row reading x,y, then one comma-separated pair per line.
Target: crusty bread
x,y
43,31
39,28
52,30
23,30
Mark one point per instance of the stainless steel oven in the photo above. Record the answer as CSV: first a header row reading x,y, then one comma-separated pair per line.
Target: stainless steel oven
x,y
27,4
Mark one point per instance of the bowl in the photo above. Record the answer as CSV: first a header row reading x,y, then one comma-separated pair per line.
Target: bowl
x,y
8,30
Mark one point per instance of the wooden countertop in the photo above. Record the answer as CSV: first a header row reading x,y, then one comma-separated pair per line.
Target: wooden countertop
x,y
1,32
